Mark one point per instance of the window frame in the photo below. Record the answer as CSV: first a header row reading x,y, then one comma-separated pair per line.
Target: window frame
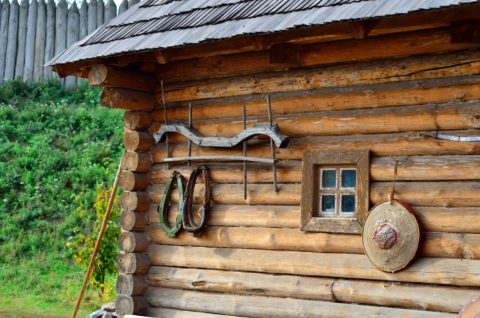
x,y
312,162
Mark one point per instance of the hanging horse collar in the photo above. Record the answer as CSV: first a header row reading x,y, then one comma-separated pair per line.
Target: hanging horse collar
x,y
165,203
186,209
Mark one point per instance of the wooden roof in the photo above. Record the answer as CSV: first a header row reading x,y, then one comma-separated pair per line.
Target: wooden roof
x,y
162,24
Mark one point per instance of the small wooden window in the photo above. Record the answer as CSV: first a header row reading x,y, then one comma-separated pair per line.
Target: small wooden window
x,y
335,190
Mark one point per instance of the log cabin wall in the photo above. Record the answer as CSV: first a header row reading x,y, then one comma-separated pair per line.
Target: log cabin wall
x,y
389,93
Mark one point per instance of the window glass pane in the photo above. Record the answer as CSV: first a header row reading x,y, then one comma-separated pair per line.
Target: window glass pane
x,y
329,178
349,178
328,203
348,203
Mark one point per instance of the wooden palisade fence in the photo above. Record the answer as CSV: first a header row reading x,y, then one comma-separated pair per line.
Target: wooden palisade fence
x,y
33,31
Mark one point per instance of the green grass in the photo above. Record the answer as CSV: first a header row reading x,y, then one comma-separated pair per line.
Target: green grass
x,y
56,149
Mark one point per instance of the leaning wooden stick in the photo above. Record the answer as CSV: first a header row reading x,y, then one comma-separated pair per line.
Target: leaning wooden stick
x,y
99,239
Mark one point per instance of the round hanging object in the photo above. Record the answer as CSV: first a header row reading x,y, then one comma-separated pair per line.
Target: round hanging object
x,y
471,310
391,235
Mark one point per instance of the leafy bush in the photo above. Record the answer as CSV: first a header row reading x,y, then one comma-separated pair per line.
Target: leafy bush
x,y
58,150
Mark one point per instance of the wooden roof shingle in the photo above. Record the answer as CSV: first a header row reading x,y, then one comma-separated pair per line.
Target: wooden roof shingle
x,y
161,24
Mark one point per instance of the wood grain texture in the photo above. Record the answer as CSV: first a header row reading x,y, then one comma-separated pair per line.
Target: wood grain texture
x,y
443,271
175,313
432,219
434,244
407,93
135,201
377,47
393,144
450,116
137,119
111,76
128,99
406,69
257,306
430,194
417,296
412,168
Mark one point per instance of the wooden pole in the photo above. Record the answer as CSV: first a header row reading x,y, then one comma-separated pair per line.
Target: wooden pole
x,y
99,239
83,19
22,33
92,16
50,40
100,12
30,42
110,11
73,25
40,41
61,27
122,7
12,42
4,17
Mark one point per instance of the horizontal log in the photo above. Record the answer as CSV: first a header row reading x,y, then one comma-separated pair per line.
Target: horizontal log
x,y
131,285
133,221
175,313
403,44
431,219
444,299
435,298
135,201
388,71
136,161
434,244
395,144
423,168
413,168
133,263
137,140
440,193
127,305
137,119
128,99
258,306
448,193
451,116
438,91
458,272
241,283
263,238
132,242
242,215
134,181
112,76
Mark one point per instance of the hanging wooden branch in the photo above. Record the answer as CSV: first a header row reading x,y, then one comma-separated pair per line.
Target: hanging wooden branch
x,y
267,129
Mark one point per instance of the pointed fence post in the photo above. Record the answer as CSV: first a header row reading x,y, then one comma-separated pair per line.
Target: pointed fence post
x,y
22,35
40,41
61,28
73,27
4,17
12,41
92,16
83,19
110,11
122,7
50,40
30,42
100,12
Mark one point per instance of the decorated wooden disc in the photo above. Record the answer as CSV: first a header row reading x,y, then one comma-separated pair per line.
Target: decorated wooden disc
x,y
391,235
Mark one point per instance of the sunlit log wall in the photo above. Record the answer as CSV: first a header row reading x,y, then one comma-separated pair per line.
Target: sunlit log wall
x,y
32,32
390,92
